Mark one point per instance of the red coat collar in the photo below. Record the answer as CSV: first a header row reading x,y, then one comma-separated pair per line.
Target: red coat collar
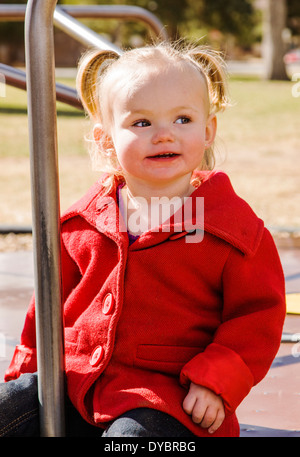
x,y
226,215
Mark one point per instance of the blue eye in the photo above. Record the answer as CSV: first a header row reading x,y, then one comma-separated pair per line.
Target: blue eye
x,y
142,123
183,120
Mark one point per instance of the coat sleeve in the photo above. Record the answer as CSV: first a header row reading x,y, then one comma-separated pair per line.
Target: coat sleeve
x,y
24,359
249,336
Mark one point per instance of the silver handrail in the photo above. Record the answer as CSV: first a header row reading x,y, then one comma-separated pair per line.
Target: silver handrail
x,y
17,78
17,13
39,46
63,19
80,32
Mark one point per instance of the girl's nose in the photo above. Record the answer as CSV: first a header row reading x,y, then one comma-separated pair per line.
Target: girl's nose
x,y
162,135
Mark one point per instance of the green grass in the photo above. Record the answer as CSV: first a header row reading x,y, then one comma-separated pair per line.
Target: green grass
x,y
261,110
258,144
13,119
74,165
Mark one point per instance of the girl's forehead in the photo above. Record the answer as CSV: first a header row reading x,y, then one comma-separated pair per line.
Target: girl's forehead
x,y
148,79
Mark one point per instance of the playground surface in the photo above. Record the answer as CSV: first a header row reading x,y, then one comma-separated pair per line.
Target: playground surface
x,y
272,409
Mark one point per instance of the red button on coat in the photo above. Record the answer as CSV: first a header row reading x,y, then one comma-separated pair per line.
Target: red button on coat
x,y
108,304
97,356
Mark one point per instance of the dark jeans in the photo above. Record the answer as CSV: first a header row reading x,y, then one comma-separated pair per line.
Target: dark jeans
x,y
19,416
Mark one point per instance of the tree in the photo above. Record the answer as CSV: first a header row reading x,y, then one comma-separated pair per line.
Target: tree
x,y
11,32
233,18
293,19
273,46
191,18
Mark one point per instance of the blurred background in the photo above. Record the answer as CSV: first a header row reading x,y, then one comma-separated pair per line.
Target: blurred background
x,y
240,28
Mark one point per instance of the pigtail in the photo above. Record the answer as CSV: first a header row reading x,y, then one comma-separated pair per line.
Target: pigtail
x,y
91,66
213,66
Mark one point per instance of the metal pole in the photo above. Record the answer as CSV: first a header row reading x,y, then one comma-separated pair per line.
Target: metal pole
x,y
17,78
123,12
81,33
39,48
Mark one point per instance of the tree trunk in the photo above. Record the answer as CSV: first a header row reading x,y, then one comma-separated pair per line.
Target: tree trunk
x,y
273,45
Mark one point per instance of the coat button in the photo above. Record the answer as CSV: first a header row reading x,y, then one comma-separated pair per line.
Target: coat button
x,y
108,303
97,356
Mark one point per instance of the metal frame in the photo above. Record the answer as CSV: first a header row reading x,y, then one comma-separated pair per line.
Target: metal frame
x,y
17,78
80,32
17,13
39,46
63,19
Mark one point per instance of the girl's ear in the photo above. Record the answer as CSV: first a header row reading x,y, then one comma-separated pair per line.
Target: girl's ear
x,y
101,137
211,130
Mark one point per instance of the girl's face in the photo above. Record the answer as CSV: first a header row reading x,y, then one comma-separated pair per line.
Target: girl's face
x,y
161,129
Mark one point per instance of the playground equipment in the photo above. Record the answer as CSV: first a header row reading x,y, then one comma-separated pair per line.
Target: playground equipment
x,y
40,16
65,18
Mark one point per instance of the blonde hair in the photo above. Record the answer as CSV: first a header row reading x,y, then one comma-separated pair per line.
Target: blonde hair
x,y
100,75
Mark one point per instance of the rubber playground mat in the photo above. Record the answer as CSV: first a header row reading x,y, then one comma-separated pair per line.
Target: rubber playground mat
x,y
272,409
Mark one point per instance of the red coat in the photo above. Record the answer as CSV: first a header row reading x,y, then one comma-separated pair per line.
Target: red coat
x,y
142,321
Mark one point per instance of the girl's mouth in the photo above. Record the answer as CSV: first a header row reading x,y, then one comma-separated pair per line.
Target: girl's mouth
x,y
164,156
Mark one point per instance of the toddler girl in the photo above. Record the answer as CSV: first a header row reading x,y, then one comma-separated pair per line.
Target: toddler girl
x,y
173,290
